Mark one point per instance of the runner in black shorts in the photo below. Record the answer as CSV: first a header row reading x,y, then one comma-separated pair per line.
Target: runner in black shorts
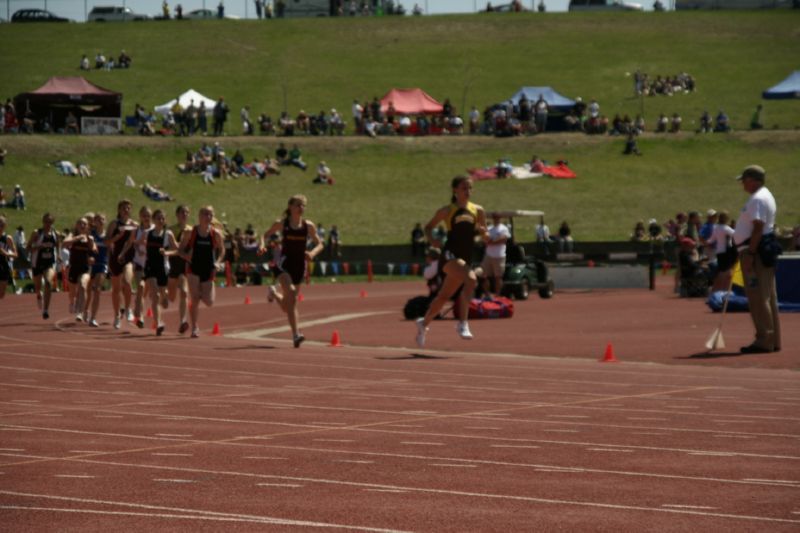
x,y
159,241
118,232
43,248
202,248
293,256
464,221
81,246
7,253
177,285
99,269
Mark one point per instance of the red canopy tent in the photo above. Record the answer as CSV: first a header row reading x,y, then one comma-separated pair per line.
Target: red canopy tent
x,y
61,95
411,102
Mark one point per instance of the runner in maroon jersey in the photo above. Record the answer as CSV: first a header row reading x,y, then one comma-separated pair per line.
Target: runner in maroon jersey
x,y
293,257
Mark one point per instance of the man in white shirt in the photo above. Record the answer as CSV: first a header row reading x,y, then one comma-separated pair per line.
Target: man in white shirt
x,y
754,232
543,236
494,261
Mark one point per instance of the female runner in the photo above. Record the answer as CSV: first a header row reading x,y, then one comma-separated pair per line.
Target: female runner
x,y
81,247
177,285
7,252
136,243
159,242
43,247
464,220
99,269
295,231
202,248
120,268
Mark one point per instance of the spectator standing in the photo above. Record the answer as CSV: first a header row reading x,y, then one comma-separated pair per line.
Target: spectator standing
x,y
190,118
565,242
259,6
22,253
334,243
18,200
202,118
220,114
755,238
494,261
417,241
247,125
220,10
543,236
756,122
178,12
541,109
722,253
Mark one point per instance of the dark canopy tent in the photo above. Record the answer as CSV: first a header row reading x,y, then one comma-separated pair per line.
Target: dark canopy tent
x,y
60,95
788,88
554,100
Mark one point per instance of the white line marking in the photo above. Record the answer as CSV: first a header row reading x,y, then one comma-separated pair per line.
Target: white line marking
x,y
454,466
713,454
482,427
568,416
82,476
52,415
334,440
608,450
734,437
512,446
647,433
411,443
196,514
16,429
173,454
12,449
784,481
25,401
355,461
285,485
85,451
175,480
561,431
330,423
108,416
172,435
403,426
260,457
396,491
646,418
675,506
260,333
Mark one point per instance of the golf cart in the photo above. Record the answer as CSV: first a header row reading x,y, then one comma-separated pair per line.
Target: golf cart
x,y
523,273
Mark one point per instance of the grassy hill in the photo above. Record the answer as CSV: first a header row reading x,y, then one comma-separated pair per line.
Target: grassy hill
x,y
385,186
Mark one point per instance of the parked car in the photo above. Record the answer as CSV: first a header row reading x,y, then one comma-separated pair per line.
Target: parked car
x,y
524,273
114,14
203,14
604,5
37,15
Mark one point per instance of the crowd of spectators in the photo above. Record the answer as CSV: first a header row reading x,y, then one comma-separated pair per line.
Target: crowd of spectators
x,y
646,85
101,62
212,163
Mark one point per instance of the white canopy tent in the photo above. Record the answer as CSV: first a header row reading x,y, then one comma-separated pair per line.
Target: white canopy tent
x,y
185,99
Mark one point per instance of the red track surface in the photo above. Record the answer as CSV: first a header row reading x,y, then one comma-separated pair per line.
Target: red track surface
x,y
519,430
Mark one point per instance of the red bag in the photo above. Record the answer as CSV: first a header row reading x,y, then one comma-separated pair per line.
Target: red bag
x,y
499,307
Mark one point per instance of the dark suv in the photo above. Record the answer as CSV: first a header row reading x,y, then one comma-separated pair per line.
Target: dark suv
x,y
36,15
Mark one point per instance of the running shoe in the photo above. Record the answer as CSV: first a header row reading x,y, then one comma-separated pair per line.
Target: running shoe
x,y
93,323
421,331
117,323
79,317
195,332
159,330
140,323
298,340
271,291
463,331
45,315
184,327
130,316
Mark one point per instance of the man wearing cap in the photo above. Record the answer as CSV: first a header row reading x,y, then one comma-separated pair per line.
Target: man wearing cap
x,y
754,228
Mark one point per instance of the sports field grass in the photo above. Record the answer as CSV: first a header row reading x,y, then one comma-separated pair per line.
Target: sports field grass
x,y
384,186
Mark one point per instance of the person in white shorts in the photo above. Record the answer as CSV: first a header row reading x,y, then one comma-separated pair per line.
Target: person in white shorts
x,y
494,261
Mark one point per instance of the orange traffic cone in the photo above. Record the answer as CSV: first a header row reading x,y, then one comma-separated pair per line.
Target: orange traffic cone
x,y
300,297
216,331
247,300
149,313
363,293
609,355
335,340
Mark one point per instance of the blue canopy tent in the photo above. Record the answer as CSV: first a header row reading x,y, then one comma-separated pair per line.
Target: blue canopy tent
x,y
788,88
553,99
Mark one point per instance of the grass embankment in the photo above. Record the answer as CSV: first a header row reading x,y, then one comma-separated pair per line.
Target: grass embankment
x,y
385,186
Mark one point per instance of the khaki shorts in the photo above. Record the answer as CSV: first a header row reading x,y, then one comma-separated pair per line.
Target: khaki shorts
x,y
493,267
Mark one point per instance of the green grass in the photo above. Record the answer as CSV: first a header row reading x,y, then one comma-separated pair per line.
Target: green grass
x,y
384,186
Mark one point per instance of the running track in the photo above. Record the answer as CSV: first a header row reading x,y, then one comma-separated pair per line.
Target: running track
x,y
519,430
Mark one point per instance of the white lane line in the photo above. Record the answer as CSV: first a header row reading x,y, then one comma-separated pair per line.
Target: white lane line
x,y
329,423
483,427
413,443
16,429
676,506
648,433
419,413
173,435
85,451
782,481
199,514
12,449
733,421
52,415
513,446
75,476
258,334
354,461
396,491
453,466
650,418
559,470
734,437
334,440
609,450
166,480
164,454
25,401
108,416
713,454
264,458
568,416
403,426
214,405
283,485
561,431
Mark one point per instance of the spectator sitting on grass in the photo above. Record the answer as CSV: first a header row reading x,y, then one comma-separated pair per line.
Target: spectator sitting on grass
x,y
537,165
722,123
85,63
286,124
3,154
18,200
124,60
3,200
631,147
756,122
675,126
265,125
99,61
323,174
282,154
639,232
337,124
296,158
654,230
663,123
705,123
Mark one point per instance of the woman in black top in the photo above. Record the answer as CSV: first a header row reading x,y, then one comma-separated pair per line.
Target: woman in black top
x,y
464,221
81,245
43,248
160,242
294,254
203,250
